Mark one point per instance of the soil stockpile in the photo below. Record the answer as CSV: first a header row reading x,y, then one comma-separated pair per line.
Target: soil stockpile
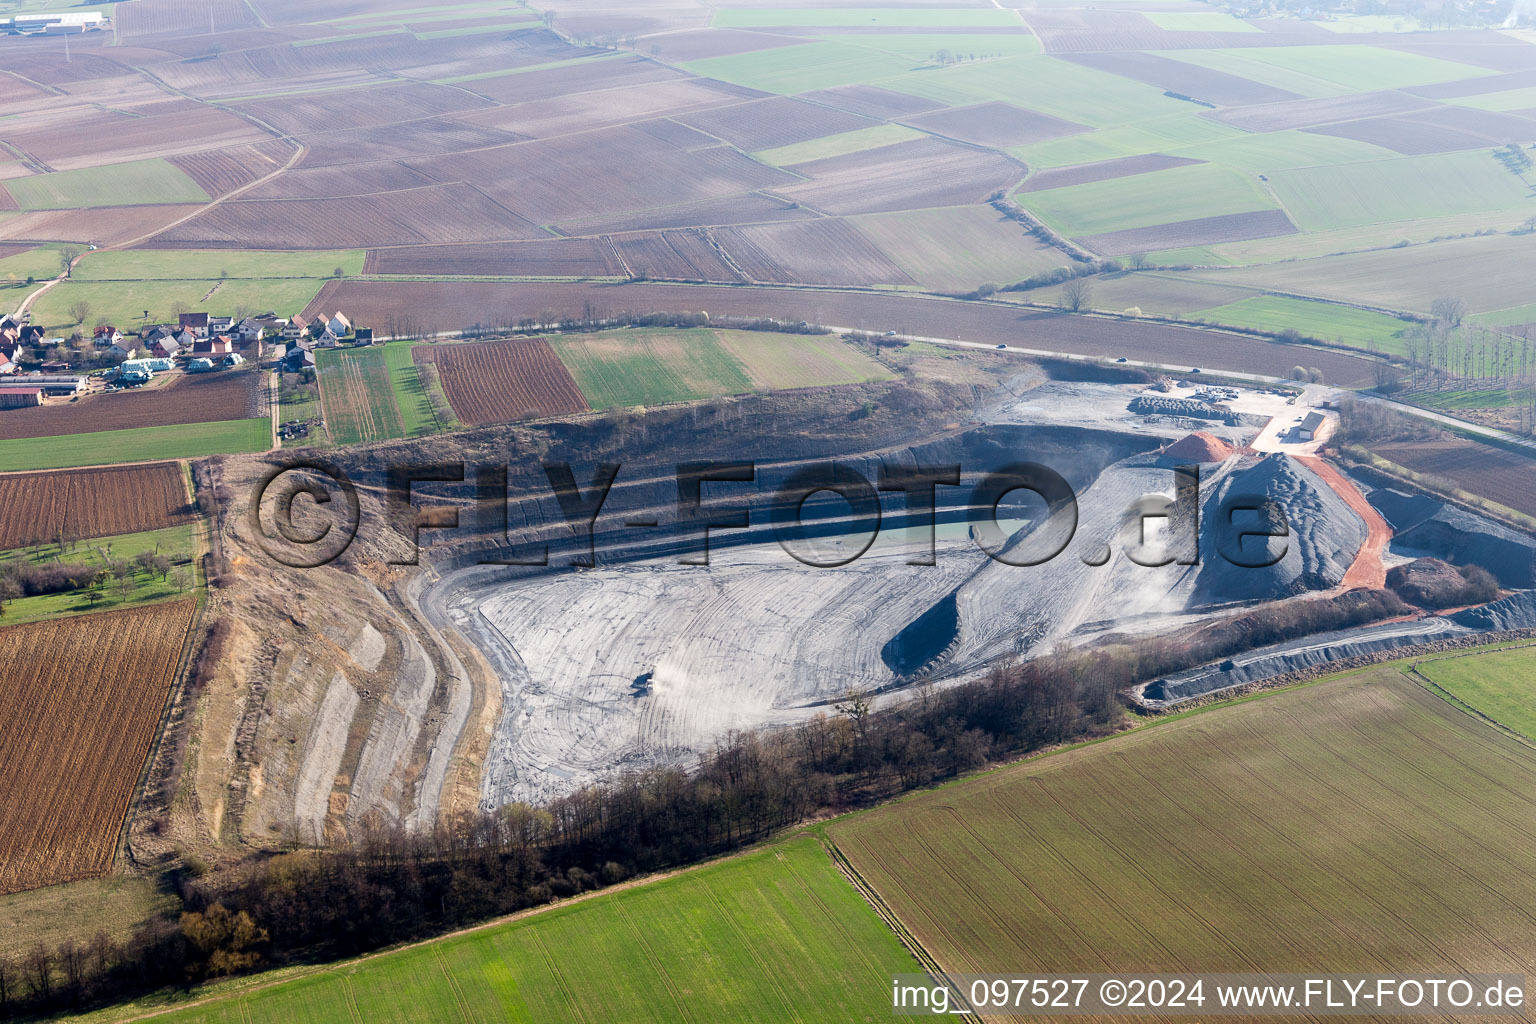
x,y
1200,447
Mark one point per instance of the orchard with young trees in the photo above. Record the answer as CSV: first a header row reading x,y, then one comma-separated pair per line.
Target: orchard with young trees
x,y
1448,355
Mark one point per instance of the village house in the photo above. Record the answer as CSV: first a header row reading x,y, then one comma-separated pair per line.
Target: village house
x,y
297,359
106,335
166,347
197,323
339,325
7,367
297,328
124,348
363,335
248,331
220,324
219,346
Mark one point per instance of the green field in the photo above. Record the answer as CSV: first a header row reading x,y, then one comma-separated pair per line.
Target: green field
x,y
1314,244
1051,86
1323,321
839,145
358,391
141,444
131,184
42,263
1166,294
802,68
1330,70
197,265
1277,151
1352,823
923,47
410,395
175,542
1142,200
629,368
1168,133
123,303
1199,21
1405,188
870,17
1470,398
1491,273
958,248
1500,685
775,935
801,361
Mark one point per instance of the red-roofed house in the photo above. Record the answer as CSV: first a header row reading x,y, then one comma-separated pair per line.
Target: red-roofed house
x,y
219,346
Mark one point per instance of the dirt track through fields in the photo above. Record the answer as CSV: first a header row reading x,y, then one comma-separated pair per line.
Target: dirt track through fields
x,y
1368,569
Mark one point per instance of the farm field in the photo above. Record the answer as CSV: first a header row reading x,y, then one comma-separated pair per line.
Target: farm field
x,y
630,368
40,507
137,444
801,360
1263,836
840,144
1409,188
1050,86
958,248
199,265
503,381
1499,684
1488,472
864,17
40,262
1326,322
795,69
205,398
872,311
415,407
358,393
775,934
175,543
1331,70
143,182
76,741
123,303
1144,200
1489,273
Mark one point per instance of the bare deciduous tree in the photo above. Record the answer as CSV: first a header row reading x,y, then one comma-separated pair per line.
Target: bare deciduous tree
x,y
1076,294
1449,310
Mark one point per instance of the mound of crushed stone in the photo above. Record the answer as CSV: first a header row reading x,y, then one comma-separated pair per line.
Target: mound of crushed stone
x,y
1423,524
1517,611
1200,447
1324,535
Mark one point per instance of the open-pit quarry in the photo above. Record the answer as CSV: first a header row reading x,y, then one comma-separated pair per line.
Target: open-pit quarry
x,y
468,681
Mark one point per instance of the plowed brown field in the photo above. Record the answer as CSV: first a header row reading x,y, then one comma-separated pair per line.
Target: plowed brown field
x,y
500,381
208,398
81,699
87,503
